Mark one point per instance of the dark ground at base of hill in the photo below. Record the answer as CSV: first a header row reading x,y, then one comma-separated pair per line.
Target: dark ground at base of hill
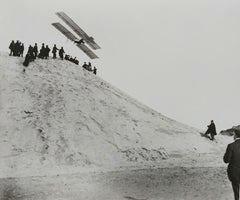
x,y
202,183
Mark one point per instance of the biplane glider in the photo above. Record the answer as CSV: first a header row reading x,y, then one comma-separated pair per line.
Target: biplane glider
x,y
84,37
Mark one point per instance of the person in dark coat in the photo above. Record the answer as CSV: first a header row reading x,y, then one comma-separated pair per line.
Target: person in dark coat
x,y
61,52
11,47
27,60
232,156
21,49
16,49
30,52
42,51
211,130
54,51
95,70
46,53
30,49
35,50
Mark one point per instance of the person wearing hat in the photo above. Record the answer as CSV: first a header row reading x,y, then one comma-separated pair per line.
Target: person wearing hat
x,y
95,70
61,52
11,47
54,51
232,157
211,130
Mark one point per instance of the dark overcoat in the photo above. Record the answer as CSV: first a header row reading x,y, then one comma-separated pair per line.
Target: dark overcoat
x,y
232,156
212,129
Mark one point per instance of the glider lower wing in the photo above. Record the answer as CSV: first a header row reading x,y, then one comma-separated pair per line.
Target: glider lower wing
x,y
87,51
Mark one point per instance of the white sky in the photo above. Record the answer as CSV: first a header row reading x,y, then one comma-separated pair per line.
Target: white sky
x,y
179,57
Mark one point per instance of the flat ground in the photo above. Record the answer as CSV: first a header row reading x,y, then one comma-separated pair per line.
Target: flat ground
x,y
202,183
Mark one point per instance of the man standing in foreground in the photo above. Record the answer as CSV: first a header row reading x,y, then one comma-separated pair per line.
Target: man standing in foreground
x,y
232,156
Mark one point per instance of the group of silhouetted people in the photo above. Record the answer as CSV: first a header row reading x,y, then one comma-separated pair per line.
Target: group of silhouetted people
x,y
16,48
71,59
89,67
60,52
43,53
45,50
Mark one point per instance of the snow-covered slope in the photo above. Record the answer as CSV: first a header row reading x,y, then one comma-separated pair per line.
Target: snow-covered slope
x,y
58,117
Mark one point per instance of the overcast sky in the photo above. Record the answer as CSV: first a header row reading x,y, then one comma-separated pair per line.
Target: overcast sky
x,y
181,58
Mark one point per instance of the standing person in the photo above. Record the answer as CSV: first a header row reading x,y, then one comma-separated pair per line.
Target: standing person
x,y
46,54
21,49
95,70
42,50
232,156
54,51
211,130
35,50
11,47
61,52
16,49
30,53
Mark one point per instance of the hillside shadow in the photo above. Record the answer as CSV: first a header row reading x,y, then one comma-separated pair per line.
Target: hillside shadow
x,y
9,190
